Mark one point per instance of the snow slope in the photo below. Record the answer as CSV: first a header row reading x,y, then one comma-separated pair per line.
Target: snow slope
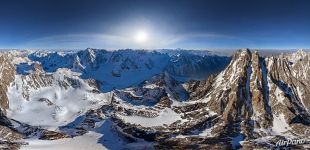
x,y
54,104
87,141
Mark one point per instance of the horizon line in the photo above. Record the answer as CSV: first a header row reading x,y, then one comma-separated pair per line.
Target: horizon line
x,y
150,49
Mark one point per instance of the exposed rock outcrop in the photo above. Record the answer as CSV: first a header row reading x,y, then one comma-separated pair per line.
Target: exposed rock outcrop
x,y
7,75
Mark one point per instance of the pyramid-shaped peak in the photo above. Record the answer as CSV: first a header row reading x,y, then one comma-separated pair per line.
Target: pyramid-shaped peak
x,y
243,52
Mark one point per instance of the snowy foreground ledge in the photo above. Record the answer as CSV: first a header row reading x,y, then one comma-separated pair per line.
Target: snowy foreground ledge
x,y
87,141
101,138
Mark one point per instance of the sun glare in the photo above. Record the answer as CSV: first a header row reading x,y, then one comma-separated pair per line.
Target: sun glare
x,y
141,37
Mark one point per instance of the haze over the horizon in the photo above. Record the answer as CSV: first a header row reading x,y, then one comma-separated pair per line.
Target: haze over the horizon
x,y
198,24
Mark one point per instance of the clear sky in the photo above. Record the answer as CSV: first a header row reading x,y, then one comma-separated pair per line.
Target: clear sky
x,y
115,24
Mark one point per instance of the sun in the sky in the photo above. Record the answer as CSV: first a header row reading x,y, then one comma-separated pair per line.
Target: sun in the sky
x,y
141,36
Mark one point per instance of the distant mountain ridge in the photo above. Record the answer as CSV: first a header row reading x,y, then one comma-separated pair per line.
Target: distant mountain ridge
x,y
121,64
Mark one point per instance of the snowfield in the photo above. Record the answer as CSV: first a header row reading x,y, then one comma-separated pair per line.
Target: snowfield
x,y
53,105
87,141
101,138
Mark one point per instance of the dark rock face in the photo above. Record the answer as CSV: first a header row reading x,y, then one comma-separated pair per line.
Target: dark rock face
x,y
51,135
8,135
190,65
7,74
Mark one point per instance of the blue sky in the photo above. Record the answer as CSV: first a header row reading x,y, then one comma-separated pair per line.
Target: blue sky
x,y
192,24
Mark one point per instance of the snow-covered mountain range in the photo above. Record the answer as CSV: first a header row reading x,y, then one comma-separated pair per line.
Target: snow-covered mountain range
x,y
163,99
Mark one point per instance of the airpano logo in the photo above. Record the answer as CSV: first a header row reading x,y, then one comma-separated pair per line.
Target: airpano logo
x,y
289,142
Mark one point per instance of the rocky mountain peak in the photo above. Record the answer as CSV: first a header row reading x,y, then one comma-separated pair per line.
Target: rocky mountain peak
x,y
246,94
7,75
